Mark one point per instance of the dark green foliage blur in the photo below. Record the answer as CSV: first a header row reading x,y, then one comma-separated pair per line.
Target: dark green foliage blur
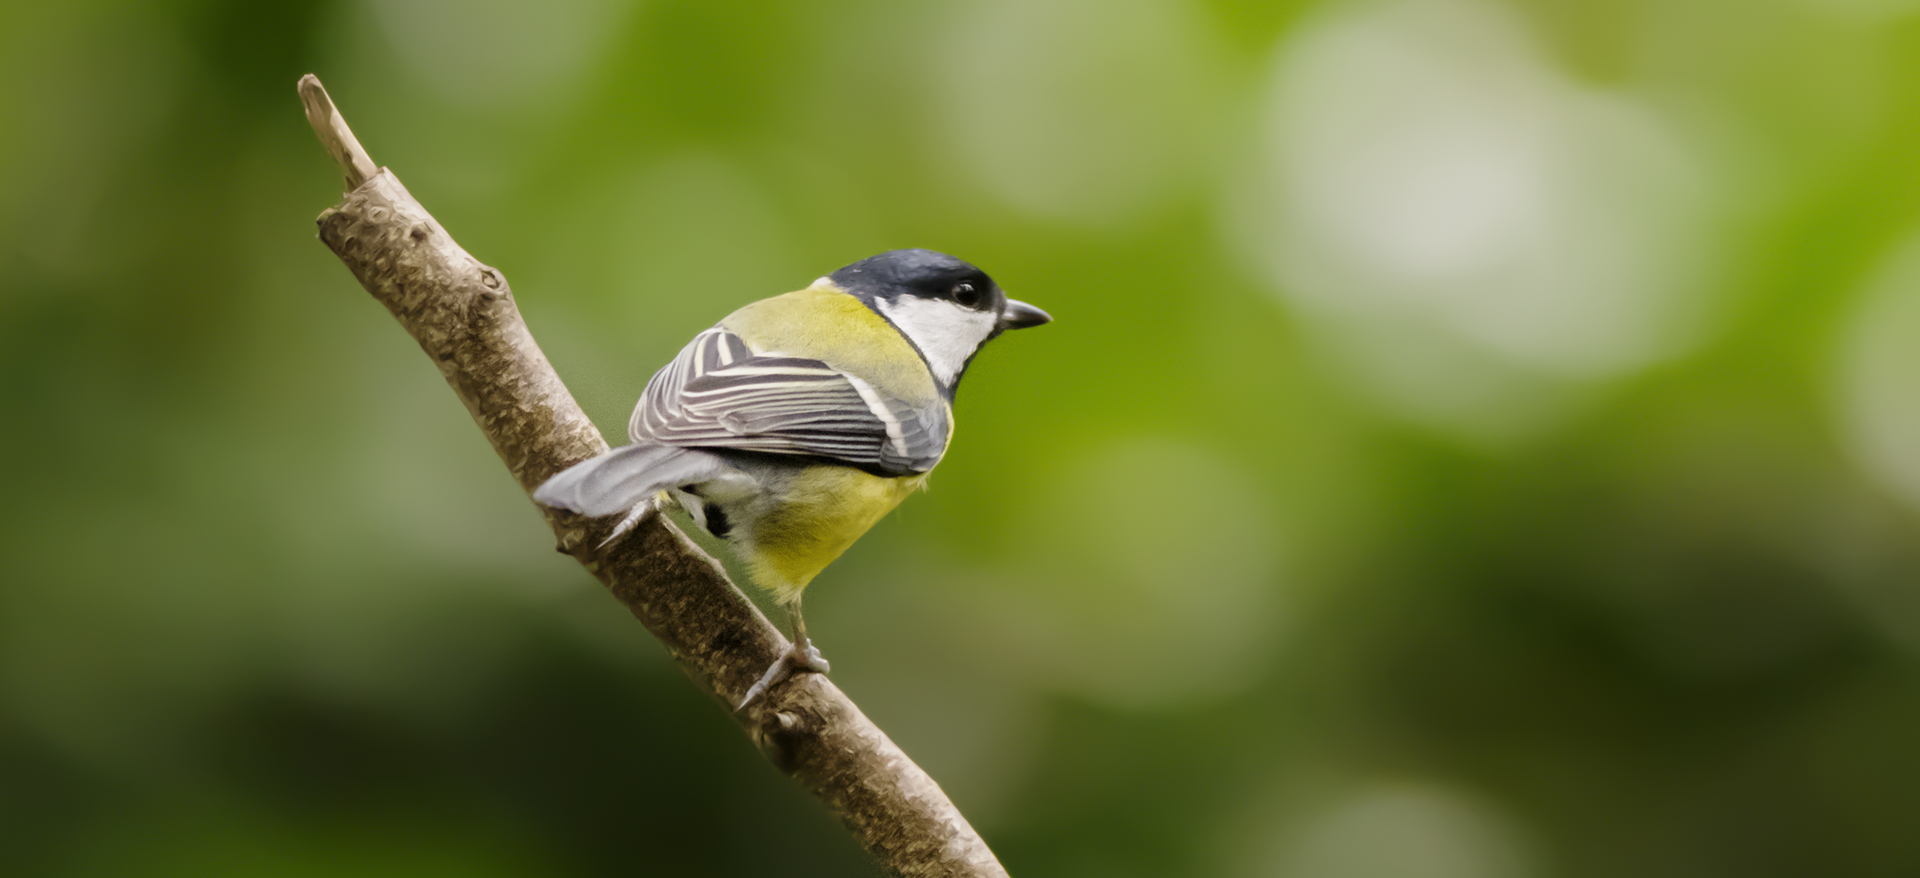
x,y
1478,438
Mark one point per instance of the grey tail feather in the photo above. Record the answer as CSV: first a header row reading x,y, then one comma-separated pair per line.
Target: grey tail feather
x,y
622,478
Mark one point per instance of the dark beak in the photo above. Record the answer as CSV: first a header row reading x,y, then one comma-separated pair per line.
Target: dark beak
x,y
1020,315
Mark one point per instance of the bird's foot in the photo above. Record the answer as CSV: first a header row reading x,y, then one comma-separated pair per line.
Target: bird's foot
x,y
640,512
807,657
802,658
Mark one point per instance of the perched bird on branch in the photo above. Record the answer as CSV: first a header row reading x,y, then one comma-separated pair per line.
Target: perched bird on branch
x,y
796,423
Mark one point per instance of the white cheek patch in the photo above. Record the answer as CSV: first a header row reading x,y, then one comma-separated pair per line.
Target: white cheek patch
x,y
945,332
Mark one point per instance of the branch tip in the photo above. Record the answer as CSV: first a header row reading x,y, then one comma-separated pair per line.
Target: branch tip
x,y
334,133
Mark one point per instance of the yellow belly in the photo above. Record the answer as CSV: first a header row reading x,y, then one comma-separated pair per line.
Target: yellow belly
x,y
819,513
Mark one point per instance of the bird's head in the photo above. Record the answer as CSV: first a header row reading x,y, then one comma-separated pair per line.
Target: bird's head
x,y
946,307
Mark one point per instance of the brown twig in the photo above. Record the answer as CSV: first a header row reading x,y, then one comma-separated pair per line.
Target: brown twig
x,y
334,133
463,315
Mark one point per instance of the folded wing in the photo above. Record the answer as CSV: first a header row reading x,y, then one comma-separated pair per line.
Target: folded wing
x,y
719,394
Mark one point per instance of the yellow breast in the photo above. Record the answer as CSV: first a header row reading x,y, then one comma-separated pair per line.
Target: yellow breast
x,y
817,515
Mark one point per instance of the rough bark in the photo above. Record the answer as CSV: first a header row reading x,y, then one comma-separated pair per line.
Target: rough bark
x,y
462,313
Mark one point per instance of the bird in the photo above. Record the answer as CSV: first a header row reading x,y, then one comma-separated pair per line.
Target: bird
x,y
797,422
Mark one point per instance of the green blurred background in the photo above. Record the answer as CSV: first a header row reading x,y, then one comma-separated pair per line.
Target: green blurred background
x,y
1477,439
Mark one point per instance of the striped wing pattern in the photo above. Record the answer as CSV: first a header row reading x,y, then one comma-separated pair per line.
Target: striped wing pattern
x,y
718,394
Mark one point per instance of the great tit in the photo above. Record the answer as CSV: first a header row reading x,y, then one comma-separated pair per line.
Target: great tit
x,y
796,423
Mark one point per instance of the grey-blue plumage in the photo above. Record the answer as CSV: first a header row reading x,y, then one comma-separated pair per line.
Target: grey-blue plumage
x,y
620,479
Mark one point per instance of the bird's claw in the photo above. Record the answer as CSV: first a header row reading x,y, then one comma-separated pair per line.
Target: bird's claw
x,y
809,659
803,658
638,514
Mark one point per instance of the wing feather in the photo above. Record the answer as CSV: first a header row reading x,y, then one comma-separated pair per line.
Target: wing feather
x,y
718,394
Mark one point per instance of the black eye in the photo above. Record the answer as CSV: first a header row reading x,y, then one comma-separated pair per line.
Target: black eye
x,y
966,295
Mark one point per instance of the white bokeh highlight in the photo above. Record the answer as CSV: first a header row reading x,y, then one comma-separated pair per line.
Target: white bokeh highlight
x,y
1468,227
1879,371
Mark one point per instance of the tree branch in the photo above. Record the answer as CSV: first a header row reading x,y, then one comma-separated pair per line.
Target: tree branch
x,y
463,315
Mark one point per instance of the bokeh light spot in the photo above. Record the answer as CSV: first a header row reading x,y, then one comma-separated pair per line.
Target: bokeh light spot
x,y
1880,377
1463,220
